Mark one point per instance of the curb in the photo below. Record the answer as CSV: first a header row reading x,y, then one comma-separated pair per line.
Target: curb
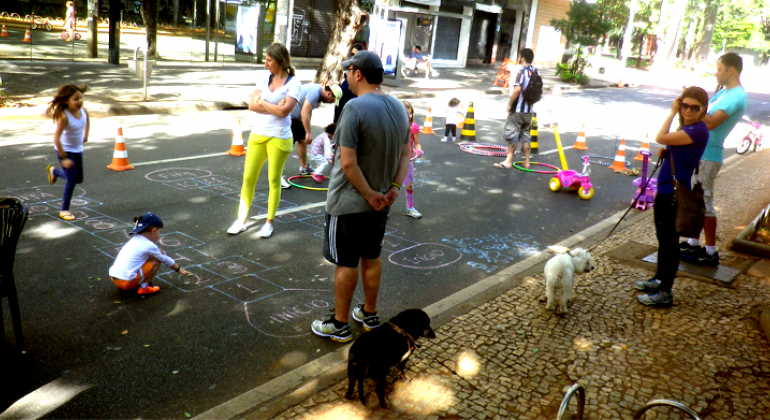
x,y
291,388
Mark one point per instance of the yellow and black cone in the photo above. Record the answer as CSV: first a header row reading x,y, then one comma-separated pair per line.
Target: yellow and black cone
x,y
469,126
534,146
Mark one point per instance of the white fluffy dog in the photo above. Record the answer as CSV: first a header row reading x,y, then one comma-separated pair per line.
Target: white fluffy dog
x,y
560,277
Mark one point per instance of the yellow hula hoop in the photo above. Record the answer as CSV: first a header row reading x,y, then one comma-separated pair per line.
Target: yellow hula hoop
x,y
289,179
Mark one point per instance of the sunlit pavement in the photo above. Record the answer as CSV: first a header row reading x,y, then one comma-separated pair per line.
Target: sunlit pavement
x,y
201,350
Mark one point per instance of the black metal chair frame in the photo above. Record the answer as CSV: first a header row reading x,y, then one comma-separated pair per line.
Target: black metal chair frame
x,y
13,216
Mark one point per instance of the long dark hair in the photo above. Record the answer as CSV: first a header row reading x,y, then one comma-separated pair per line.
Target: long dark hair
x,y
700,95
59,103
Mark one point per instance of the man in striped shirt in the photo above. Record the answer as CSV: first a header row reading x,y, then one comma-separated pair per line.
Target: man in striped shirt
x,y
517,125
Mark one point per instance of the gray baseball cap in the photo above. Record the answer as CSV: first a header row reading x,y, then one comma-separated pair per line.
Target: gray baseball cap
x,y
364,60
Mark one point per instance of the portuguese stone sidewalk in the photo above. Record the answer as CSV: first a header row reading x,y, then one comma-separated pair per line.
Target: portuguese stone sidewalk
x,y
515,360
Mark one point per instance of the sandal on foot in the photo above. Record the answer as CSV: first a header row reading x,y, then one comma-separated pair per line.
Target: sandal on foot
x,y
51,177
502,165
65,215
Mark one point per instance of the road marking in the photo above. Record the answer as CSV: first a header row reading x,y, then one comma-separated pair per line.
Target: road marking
x,y
154,162
552,151
291,210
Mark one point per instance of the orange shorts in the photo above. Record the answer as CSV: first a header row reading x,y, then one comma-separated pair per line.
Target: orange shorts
x,y
133,284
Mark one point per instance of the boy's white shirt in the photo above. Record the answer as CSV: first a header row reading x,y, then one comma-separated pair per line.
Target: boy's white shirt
x,y
134,254
327,146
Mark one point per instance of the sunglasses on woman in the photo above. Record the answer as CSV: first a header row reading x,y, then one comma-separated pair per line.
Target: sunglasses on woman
x,y
693,108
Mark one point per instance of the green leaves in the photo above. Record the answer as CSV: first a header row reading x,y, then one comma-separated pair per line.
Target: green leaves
x,y
584,24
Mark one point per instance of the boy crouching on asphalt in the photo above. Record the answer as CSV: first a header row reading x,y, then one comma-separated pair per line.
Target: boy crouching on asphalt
x,y
139,259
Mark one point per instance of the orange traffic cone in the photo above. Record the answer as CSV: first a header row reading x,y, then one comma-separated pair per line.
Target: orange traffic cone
x,y
427,126
27,36
620,158
5,32
645,147
120,155
236,149
580,143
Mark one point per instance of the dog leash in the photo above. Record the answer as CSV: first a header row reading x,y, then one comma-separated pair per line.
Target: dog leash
x,y
658,164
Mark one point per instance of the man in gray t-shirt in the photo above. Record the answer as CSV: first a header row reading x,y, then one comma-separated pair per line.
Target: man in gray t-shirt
x,y
370,164
310,97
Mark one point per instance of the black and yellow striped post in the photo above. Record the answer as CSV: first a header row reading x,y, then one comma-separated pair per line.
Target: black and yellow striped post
x,y
469,126
534,145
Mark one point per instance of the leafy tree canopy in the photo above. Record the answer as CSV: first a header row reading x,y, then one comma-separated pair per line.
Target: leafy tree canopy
x,y
584,25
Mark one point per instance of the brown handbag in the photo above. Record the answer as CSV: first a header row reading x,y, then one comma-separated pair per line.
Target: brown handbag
x,y
690,207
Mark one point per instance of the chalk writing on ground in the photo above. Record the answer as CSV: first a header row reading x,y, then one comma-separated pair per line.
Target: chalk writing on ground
x,y
491,251
425,256
290,312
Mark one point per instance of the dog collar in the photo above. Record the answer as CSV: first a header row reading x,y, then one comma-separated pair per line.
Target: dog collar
x,y
408,337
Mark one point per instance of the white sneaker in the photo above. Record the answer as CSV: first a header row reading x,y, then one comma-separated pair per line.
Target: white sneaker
x,y
443,140
266,231
434,73
413,213
237,227
284,183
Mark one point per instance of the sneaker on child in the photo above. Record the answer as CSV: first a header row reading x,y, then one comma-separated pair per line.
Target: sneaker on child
x,y
370,321
284,183
443,140
413,213
148,290
308,170
328,329
318,178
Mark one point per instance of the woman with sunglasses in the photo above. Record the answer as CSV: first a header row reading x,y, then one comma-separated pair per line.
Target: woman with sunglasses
x,y
684,148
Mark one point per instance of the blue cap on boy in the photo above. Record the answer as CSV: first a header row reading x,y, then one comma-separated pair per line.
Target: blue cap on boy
x,y
144,221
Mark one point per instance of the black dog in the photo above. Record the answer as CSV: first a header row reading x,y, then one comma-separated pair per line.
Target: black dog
x,y
373,354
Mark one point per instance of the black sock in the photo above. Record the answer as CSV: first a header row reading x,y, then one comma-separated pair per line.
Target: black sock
x,y
368,313
338,324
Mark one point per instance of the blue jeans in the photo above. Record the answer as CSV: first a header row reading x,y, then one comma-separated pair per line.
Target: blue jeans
x,y
73,176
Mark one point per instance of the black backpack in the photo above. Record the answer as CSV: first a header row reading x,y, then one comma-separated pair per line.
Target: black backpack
x,y
534,90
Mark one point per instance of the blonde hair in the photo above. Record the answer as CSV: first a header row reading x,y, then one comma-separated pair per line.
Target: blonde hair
x,y
409,110
59,102
70,4
280,54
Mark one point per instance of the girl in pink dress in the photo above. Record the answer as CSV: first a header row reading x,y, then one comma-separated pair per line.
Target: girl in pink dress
x,y
414,142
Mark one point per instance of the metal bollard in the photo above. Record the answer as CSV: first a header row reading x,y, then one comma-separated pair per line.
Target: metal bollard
x,y
143,71
669,403
568,396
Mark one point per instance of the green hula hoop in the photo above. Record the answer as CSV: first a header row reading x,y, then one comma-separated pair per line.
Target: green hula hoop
x,y
289,179
518,166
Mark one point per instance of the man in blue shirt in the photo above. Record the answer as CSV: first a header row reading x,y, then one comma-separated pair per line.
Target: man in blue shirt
x,y
422,63
725,110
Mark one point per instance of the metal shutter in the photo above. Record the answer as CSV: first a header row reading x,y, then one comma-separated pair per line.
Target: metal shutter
x,y
324,19
301,27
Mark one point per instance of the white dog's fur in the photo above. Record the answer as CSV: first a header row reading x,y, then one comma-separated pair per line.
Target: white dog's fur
x,y
560,277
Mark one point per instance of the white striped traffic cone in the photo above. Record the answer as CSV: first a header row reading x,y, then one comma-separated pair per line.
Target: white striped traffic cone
x,y
645,147
236,148
120,155
620,158
580,143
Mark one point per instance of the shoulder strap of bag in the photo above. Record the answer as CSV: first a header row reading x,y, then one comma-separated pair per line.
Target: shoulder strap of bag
x,y
673,171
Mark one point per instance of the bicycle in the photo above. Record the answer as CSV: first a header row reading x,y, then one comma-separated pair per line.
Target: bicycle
x,y
754,137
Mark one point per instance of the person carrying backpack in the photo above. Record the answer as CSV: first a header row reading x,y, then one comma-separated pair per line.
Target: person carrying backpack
x,y
526,90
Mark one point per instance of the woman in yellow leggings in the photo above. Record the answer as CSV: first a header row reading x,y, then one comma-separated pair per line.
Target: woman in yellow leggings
x,y
275,95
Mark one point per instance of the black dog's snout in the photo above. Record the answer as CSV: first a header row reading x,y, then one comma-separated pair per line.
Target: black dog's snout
x,y
429,333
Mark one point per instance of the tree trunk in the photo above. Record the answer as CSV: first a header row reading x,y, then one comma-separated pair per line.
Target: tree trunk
x,y
663,56
629,32
149,13
703,47
351,18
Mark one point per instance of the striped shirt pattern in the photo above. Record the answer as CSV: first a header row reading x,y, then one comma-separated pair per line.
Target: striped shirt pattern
x,y
522,79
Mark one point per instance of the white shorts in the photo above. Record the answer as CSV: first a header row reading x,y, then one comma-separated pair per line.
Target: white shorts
x,y
707,176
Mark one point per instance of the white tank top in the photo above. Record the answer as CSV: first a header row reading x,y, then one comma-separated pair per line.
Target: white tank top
x,y
72,137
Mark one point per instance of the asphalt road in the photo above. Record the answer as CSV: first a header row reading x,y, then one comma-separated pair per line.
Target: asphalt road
x,y
243,319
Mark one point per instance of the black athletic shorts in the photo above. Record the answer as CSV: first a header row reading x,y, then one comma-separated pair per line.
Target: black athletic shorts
x,y
297,130
350,237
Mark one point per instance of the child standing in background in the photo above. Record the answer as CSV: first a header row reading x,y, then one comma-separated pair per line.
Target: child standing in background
x,y
72,127
321,152
453,115
414,142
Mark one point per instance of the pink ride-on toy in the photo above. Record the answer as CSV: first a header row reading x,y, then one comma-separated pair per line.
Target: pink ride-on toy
x,y
571,179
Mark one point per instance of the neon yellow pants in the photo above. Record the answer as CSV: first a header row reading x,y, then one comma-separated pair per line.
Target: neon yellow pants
x,y
276,151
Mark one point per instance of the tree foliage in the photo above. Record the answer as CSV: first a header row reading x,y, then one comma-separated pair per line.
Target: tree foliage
x,y
584,25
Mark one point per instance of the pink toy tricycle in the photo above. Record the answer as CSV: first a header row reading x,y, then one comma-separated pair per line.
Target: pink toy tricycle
x,y
574,180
